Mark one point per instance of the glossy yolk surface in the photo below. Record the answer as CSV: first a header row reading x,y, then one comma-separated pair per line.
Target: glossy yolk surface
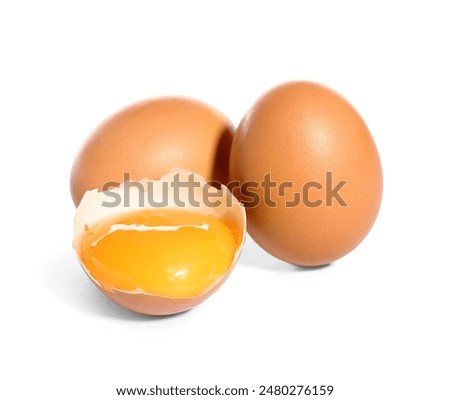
x,y
165,252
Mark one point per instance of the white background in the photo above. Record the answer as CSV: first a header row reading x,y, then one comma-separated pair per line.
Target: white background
x,y
374,324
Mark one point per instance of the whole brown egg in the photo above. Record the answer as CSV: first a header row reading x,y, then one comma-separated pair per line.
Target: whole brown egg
x,y
148,139
309,173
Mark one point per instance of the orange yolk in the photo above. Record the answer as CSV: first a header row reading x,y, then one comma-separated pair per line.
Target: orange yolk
x,y
164,252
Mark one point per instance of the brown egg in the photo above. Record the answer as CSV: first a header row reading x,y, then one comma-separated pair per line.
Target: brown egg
x,y
148,139
159,260
325,184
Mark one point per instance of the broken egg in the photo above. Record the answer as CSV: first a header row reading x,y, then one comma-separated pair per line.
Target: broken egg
x,y
159,247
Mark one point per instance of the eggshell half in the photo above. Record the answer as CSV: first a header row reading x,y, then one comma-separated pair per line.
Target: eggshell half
x,y
91,212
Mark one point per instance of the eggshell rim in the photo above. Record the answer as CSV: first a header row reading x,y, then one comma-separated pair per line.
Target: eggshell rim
x,y
156,304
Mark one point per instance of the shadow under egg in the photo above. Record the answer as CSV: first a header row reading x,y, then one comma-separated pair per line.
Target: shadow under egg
x,y
67,281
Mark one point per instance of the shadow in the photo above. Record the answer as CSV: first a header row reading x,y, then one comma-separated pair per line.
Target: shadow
x,y
221,161
256,257
67,281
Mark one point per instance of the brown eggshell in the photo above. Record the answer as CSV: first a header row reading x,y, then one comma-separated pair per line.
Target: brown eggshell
x,y
91,212
298,132
148,139
150,304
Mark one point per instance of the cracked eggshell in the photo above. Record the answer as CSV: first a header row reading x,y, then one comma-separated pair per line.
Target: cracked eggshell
x,y
90,212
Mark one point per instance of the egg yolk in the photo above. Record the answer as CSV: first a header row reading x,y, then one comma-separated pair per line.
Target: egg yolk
x,y
164,252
